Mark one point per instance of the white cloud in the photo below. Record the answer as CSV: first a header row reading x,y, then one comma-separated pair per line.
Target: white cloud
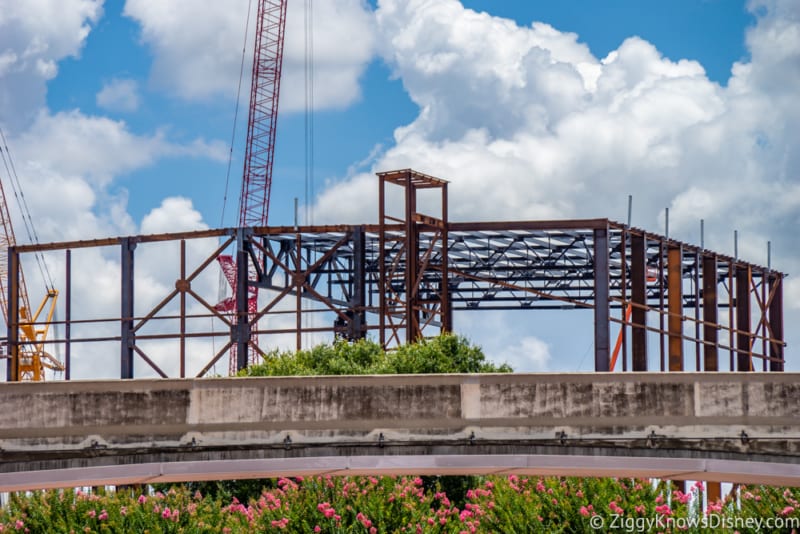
x,y
119,95
528,354
33,37
197,48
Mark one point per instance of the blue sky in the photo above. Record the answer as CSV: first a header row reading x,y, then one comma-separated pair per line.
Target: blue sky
x,y
532,109
712,32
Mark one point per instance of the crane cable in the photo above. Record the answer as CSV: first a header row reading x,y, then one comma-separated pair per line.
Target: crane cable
x,y
309,109
22,203
222,283
236,113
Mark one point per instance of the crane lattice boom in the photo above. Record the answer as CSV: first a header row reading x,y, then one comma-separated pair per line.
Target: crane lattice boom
x,y
263,115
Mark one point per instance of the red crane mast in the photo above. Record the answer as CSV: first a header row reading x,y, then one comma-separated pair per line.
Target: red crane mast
x,y
260,146
263,116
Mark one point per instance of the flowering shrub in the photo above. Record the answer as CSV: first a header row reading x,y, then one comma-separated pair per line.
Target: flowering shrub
x,y
389,504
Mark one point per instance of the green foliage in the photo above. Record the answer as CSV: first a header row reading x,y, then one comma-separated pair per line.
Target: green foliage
x,y
513,504
446,353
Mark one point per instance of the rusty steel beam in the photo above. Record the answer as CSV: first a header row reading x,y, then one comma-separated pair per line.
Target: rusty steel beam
x,y
675,306
776,347
127,339
639,302
744,359
710,319
602,314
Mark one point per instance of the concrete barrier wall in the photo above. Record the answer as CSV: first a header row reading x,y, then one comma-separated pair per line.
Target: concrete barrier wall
x,y
80,424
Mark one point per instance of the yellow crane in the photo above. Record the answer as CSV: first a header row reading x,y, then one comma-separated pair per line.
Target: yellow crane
x,y
29,359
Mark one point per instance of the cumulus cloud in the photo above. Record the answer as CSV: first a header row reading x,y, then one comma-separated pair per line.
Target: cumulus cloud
x,y
31,44
528,354
527,124
197,48
119,95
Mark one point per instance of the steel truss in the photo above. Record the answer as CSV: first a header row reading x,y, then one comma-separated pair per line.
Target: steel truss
x,y
403,277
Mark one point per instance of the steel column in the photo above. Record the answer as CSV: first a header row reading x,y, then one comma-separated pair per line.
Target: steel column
x,y
68,314
358,322
413,331
12,367
744,360
182,287
602,312
675,307
776,349
710,332
127,335
382,261
241,330
444,294
639,302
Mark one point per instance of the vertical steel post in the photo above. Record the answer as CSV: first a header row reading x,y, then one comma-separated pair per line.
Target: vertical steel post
x,y
639,301
241,333
776,322
661,289
601,301
12,367
68,315
412,262
298,283
710,333
382,260
127,335
623,289
358,297
675,307
447,310
183,310
744,360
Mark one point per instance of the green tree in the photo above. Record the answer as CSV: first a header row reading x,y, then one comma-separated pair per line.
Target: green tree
x,y
447,353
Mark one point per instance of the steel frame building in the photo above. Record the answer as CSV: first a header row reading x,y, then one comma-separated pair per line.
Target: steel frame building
x,y
403,277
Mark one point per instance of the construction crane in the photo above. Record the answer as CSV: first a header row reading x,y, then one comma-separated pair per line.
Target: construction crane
x,y
29,359
259,148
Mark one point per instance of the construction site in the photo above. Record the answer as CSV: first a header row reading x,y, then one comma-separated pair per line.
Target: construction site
x,y
657,304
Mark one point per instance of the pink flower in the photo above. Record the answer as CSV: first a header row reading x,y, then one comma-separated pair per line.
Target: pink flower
x,y
699,485
166,514
714,507
317,529
663,509
640,509
659,499
579,494
788,510
19,524
555,502
539,486
91,513
373,530
329,512
142,499
123,511
103,515
584,511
